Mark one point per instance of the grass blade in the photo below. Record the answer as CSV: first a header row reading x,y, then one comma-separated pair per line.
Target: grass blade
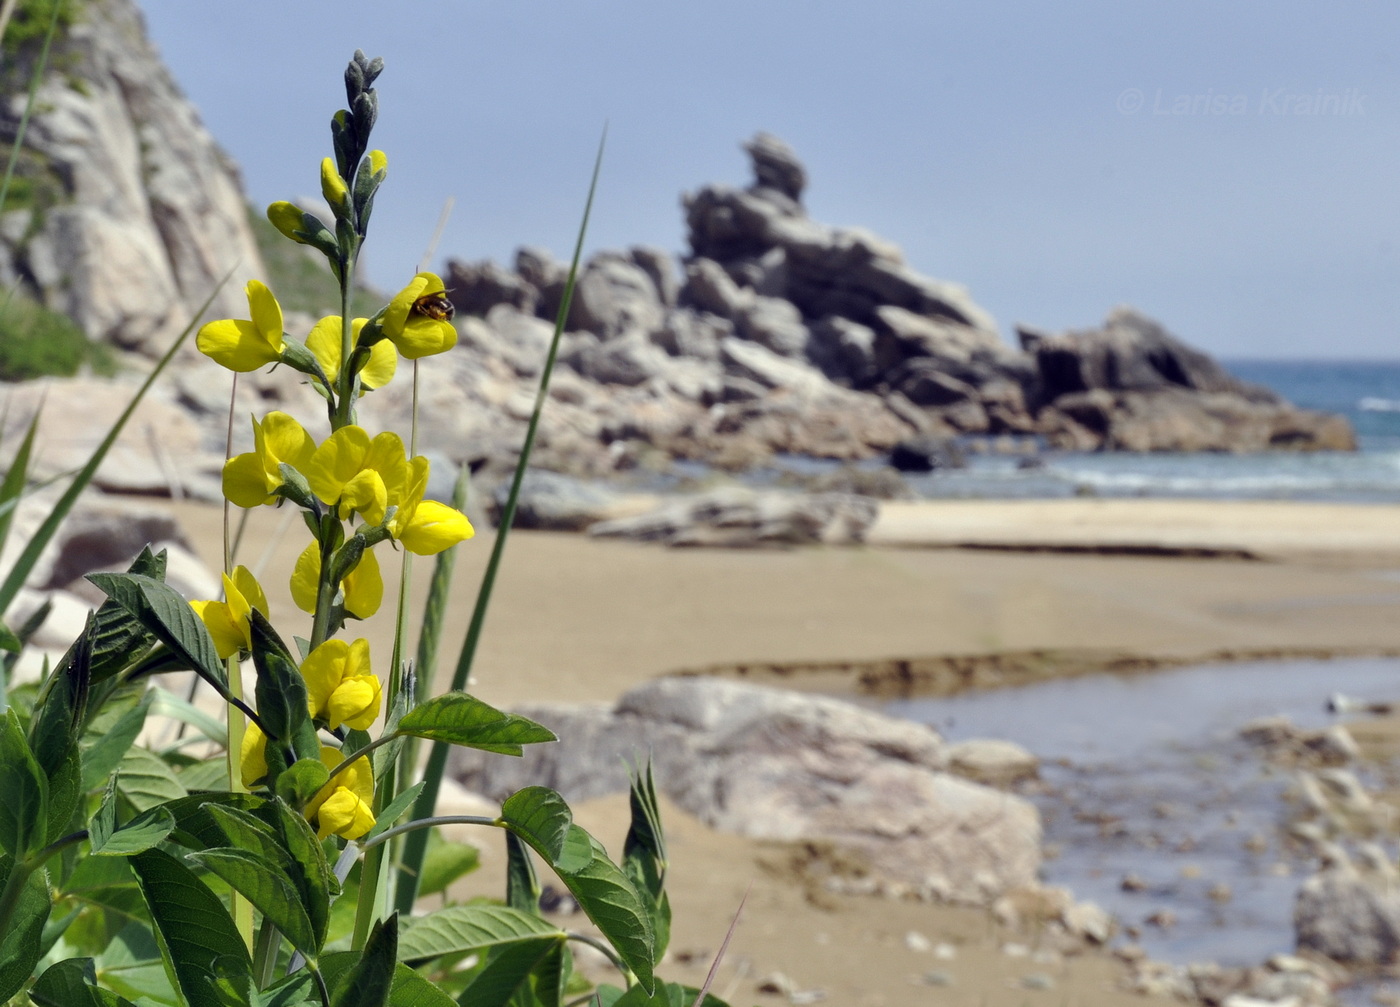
x,y
416,844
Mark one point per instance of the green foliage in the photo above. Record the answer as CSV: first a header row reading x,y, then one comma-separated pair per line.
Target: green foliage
x,y
36,342
30,22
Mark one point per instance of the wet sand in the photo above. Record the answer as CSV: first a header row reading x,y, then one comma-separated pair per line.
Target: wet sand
x,y
582,620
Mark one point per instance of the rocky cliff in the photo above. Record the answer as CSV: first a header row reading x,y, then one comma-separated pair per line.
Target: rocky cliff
x,y
126,213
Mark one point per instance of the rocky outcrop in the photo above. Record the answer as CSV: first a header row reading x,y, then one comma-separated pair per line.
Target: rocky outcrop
x,y
134,213
1133,386
736,517
777,765
781,334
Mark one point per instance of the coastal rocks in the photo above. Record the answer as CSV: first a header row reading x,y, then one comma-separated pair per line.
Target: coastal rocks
x,y
136,213
776,765
1349,915
550,501
1132,386
992,761
737,517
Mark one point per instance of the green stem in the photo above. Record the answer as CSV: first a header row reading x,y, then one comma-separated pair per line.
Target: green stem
x,y
608,953
321,989
428,823
325,597
366,910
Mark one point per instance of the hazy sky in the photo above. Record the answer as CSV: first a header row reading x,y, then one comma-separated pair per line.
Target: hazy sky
x,y
1232,169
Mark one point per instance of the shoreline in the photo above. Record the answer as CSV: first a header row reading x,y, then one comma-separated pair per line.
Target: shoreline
x,y
580,620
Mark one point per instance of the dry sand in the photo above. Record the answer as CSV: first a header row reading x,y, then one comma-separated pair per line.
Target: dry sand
x,y
582,620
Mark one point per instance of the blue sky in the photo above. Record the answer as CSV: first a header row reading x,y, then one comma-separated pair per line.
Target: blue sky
x,y
1232,169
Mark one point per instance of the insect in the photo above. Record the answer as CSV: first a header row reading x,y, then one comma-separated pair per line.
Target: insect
x,y
435,306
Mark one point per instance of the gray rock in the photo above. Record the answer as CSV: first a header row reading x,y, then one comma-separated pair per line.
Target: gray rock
x,y
738,517
992,761
776,166
628,360
1348,917
523,339
785,766
661,268
694,334
757,363
709,288
551,501
774,323
613,296
476,287
844,350
926,454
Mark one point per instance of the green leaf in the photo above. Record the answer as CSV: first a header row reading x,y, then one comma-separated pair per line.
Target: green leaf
x,y
409,988
644,855
198,939
195,826
460,929
21,943
65,793
73,983
9,640
267,887
308,868
508,972
368,982
105,753
522,885
460,719
298,783
58,720
541,817
445,863
24,792
15,479
211,774
142,833
394,811
168,616
147,780
606,894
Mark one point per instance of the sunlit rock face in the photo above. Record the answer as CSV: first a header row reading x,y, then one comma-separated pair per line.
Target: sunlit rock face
x,y
128,213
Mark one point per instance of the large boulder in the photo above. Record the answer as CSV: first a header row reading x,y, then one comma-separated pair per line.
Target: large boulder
x,y
739,517
1349,916
784,766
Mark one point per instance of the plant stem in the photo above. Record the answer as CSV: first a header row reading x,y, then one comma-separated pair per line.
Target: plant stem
x,y
427,823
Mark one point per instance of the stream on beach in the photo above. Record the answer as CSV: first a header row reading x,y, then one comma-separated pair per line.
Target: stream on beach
x,y
1145,776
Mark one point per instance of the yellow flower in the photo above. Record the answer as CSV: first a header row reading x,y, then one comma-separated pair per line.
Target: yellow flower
x,y
252,757
339,686
353,472
378,162
324,341
333,186
412,323
364,586
425,527
348,809
227,620
246,344
250,479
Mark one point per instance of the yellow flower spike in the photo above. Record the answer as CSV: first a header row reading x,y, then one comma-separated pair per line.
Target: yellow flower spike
x,y
324,342
246,344
364,585
333,186
339,686
227,620
251,479
418,321
348,809
355,473
252,757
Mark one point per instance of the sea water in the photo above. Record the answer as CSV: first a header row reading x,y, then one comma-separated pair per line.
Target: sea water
x,y
1366,392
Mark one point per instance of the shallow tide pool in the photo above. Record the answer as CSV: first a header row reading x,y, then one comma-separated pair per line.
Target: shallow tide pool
x,y
1145,776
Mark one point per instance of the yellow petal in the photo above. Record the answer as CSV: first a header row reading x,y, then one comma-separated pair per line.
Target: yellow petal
x,y
250,589
236,344
338,460
324,341
355,702
383,362
324,670
423,336
228,638
378,162
252,760
397,312
433,528
245,481
267,314
332,185
364,587
306,578
287,218
285,440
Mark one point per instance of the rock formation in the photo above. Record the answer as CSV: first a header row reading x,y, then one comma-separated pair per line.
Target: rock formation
x,y
778,333
133,214
777,765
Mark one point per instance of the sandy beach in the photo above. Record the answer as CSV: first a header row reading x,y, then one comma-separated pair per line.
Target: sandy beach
x,y
581,620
